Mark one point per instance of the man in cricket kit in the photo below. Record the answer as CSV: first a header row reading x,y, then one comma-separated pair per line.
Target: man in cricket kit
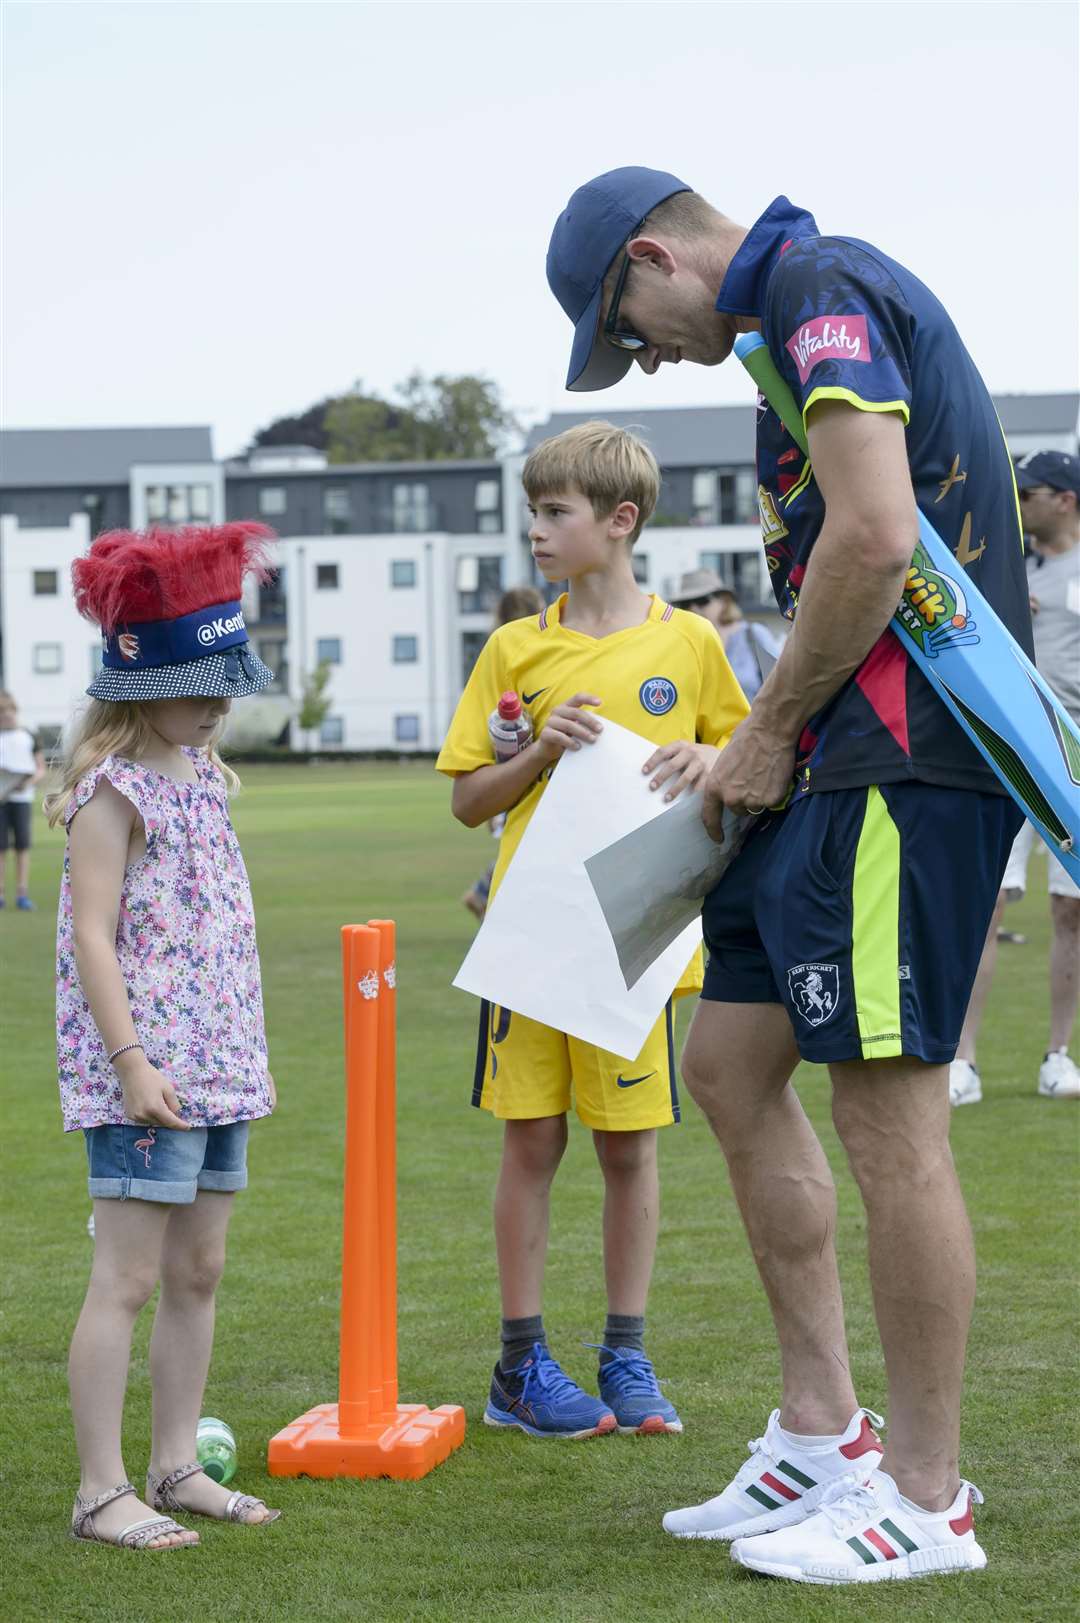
x,y
849,927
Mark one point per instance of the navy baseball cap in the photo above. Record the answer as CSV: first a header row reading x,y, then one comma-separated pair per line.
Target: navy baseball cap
x,y
1057,469
599,218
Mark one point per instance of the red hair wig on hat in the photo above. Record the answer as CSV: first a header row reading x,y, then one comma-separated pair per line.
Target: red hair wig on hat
x,y
129,576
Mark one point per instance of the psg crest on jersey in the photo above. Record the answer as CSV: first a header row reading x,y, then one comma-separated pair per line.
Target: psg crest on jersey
x,y
658,695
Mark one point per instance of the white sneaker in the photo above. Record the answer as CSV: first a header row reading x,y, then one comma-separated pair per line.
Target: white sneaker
x,y
1059,1077
779,1484
965,1088
866,1532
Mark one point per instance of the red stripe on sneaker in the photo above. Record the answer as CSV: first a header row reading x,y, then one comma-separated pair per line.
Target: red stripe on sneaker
x,y
964,1523
867,1442
880,1544
779,1487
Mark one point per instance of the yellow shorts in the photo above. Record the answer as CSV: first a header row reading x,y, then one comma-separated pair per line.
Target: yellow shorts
x,y
525,1070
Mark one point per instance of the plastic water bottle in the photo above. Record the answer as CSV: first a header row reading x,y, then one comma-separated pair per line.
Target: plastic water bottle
x,y
215,1449
510,726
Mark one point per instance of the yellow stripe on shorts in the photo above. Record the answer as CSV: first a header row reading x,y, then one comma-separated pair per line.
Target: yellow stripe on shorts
x,y
875,932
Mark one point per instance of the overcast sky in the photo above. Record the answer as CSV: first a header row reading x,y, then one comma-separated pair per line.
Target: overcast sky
x,y
220,213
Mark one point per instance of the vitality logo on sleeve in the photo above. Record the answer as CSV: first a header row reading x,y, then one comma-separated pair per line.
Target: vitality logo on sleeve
x,y
828,338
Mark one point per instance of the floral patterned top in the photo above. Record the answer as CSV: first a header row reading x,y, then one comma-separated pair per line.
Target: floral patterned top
x,y
185,941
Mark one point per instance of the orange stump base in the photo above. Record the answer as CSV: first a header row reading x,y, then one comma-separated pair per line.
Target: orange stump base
x,y
405,1443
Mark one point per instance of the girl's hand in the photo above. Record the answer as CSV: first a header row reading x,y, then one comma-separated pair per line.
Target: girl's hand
x,y
567,729
681,766
149,1096
272,1091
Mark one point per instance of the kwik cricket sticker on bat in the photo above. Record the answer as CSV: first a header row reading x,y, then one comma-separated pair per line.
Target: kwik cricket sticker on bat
x,y
972,661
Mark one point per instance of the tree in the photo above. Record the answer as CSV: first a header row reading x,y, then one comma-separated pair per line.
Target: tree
x,y
314,699
426,420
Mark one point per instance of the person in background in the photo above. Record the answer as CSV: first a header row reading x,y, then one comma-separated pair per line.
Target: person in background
x,y
745,641
1049,486
22,765
516,604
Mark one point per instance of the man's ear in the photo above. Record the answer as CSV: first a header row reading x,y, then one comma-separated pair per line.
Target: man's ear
x,y
622,521
647,250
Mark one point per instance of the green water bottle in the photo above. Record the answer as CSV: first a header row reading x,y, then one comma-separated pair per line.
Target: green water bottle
x,y
215,1449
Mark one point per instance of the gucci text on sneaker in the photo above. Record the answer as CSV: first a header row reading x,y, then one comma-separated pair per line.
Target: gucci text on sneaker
x,y
864,1532
781,1483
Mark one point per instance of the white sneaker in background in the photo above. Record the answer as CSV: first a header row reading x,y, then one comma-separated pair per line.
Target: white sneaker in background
x,y
965,1087
1059,1077
866,1532
779,1483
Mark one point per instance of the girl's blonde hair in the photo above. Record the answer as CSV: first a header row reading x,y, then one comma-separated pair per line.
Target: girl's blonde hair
x,y
104,728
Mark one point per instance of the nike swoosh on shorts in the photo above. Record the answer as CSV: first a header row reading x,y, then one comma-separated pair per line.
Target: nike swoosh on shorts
x,y
632,1081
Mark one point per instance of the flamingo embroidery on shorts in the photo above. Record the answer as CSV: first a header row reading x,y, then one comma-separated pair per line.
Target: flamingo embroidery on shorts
x,y
146,1145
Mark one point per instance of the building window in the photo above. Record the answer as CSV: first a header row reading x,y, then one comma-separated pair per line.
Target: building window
x,y
406,729
178,504
479,584
199,502
746,497
740,573
402,572
639,563
48,658
713,497
272,500
488,504
273,603
411,510
471,644
328,651
46,582
157,502
336,509
332,730
406,650
326,577
272,652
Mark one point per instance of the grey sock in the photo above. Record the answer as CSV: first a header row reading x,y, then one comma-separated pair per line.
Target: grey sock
x,y
623,1330
518,1338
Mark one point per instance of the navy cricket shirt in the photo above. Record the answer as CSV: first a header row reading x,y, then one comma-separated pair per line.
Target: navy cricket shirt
x,y
843,321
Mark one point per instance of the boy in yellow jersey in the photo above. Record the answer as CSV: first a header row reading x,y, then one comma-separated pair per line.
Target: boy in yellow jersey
x,y
604,645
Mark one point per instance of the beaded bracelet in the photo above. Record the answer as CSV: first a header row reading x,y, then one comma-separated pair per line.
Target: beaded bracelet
x,y
123,1049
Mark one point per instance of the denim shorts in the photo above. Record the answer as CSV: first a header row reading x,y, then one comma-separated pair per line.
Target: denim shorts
x,y
165,1163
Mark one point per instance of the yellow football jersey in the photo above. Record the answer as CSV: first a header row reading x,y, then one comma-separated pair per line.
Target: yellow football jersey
x,y
667,679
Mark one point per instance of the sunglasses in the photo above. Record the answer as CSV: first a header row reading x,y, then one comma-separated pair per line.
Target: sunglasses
x,y
623,337
1036,490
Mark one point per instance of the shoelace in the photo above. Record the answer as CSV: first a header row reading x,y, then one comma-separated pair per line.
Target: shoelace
x,y
545,1378
630,1373
846,1503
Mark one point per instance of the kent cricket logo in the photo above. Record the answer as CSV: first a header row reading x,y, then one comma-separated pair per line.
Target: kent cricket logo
x,y
658,695
128,645
934,609
814,989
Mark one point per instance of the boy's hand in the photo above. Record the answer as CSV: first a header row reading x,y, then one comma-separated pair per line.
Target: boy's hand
x,y
681,766
149,1096
567,728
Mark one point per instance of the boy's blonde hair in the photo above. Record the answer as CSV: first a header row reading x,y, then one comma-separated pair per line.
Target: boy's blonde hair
x,y
106,728
606,464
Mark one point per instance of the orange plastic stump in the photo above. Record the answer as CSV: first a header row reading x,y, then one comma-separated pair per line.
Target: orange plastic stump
x,y
367,1433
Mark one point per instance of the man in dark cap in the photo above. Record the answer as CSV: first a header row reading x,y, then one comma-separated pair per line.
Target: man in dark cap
x,y
849,927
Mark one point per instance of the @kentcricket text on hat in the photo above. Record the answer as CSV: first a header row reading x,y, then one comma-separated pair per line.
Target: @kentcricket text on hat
x,y
1057,469
169,606
599,218
696,584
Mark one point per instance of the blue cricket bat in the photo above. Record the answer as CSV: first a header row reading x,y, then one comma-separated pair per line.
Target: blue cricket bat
x,y
974,664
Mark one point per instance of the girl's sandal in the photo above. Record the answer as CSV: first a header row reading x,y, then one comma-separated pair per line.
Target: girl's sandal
x,y
135,1536
159,1491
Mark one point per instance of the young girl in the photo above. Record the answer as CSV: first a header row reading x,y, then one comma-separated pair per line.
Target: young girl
x,y
160,1039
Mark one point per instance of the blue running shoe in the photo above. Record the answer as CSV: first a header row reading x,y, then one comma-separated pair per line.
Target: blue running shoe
x,y
25,905
629,1385
538,1397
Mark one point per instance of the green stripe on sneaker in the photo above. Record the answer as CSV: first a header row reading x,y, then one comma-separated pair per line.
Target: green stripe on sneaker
x,y
895,1533
762,1498
796,1476
860,1549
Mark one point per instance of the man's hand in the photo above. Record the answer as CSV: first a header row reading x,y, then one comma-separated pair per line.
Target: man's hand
x,y
567,728
681,766
149,1096
751,774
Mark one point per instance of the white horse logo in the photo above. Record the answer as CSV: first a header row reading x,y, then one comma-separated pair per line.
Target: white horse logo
x,y
814,990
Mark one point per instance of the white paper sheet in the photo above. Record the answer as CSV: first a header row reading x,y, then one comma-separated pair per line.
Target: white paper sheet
x,y
544,949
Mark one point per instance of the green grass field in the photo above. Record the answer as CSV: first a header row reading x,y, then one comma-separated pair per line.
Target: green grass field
x,y
507,1528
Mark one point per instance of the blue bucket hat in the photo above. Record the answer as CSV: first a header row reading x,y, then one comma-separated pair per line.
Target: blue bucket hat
x,y
599,218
